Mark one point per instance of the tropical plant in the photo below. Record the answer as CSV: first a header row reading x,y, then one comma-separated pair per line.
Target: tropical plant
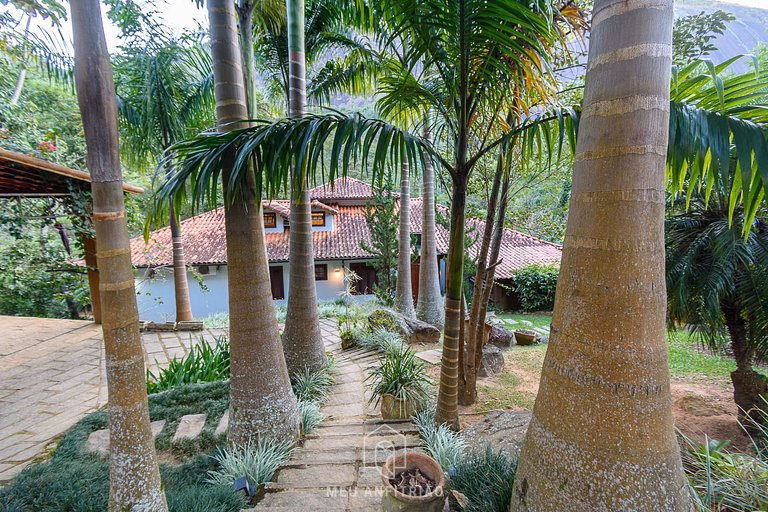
x,y
205,362
164,92
401,375
535,287
442,443
717,280
381,340
311,416
604,395
314,385
482,481
256,460
381,218
262,402
134,474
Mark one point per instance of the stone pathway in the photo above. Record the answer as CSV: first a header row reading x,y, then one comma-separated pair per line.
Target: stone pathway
x,y
337,469
52,374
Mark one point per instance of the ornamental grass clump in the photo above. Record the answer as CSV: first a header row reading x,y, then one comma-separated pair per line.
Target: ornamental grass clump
x,y
205,362
257,461
444,445
483,481
401,375
381,340
312,389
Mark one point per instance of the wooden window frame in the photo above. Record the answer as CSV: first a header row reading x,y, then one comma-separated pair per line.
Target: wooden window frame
x,y
273,223
318,224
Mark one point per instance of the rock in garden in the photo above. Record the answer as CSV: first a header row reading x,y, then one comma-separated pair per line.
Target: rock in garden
x,y
492,362
504,430
412,330
501,337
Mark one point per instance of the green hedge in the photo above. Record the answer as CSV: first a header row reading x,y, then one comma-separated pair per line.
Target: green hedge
x,y
535,287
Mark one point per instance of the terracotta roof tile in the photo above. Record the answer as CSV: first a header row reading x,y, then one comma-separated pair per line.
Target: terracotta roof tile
x,y
343,189
204,240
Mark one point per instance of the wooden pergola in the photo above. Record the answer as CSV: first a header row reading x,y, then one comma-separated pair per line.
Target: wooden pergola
x,y
23,176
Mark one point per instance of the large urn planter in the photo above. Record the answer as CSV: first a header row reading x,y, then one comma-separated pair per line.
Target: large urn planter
x,y
410,464
525,337
393,408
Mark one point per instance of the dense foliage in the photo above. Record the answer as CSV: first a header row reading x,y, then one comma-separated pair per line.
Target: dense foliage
x,y
535,287
381,218
205,362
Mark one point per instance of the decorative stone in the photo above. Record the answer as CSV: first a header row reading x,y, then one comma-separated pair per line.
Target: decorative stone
x,y
190,426
501,337
412,330
492,361
223,425
504,430
98,441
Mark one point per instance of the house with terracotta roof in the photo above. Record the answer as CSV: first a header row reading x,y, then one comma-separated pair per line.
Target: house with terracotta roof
x,y
338,226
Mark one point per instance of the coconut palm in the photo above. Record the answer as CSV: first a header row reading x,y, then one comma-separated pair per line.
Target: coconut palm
x,y
133,471
163,93
718,280
262,403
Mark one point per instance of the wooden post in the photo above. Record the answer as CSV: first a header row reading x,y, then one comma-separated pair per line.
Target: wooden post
x,y
89,248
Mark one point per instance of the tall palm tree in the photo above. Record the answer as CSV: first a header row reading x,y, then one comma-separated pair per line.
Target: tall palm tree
x,y
302,340
163,94
133,472
262,403
429,306
718,280
403,289
602,434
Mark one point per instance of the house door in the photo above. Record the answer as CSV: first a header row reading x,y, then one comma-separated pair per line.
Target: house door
x,y
367,275
276,280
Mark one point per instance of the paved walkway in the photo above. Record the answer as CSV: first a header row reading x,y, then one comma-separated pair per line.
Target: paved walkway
x,y
337,469
52,374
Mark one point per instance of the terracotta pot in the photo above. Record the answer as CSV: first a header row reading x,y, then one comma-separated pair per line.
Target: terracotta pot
x,y
395,409
395,501
525,338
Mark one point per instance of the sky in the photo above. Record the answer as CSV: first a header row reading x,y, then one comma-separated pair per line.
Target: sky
x,y
184,14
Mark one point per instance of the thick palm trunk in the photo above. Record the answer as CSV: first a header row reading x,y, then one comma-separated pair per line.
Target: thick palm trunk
x,y
302,340
180,282
602,435
748,385
429,307
447,393
403,289
133,471
262,403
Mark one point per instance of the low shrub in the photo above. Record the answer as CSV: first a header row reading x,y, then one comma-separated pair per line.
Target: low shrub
x,y
535,287
311,416
485,479
444,445
204,363
381,340
257,461
314,386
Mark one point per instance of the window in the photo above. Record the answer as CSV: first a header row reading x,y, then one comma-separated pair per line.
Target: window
x,y
318,218
321,272
270,220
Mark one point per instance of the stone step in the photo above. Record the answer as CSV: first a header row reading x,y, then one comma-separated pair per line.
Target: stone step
x,y
98,441
431,356
223,425
190,426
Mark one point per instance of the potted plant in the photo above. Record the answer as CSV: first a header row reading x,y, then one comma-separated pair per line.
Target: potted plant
x,y
399,383
413,482
525,337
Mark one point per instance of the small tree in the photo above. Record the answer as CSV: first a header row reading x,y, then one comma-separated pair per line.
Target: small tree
x,y
382,221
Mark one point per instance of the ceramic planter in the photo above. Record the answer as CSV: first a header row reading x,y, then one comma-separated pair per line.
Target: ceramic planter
x,y
395,501
395,409
525,337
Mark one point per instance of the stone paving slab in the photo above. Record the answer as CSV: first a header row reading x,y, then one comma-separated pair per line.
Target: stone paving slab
x,y
431,356
52,374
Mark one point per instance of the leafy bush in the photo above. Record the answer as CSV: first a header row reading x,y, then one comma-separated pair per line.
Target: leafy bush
x,y
535,287
724,480
401,375
444,445
257,461
485,479
204,363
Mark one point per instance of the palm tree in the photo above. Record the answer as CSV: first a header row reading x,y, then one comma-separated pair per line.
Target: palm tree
x,y
602,436
262,403
302,340
134,474
163,95
429,306
718,280
403,289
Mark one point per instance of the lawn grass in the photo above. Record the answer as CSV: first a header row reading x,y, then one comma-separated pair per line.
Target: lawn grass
x,y
78,481
504,395
536,319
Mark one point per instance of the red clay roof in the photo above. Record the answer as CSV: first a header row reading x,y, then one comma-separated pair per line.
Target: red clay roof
x,y
204,241
343,189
